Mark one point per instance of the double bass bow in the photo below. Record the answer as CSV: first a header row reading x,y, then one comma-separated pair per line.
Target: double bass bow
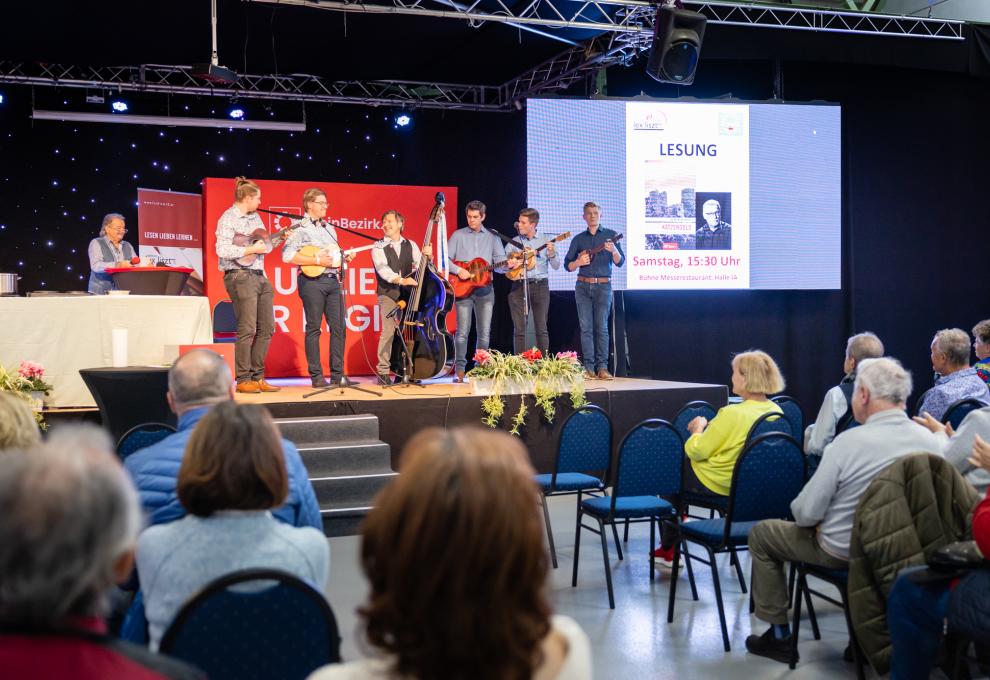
x,y
429,345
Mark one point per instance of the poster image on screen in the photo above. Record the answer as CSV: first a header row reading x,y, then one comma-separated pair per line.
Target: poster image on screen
x,y
723,195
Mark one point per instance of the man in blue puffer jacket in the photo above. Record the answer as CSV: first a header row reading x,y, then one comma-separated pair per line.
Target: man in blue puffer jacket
x,y
196,382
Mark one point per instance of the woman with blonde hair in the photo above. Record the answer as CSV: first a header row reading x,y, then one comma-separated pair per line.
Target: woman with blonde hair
x,y
453,551
714,447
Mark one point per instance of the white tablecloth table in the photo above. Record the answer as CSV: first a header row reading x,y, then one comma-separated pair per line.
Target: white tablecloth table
x,y
65,334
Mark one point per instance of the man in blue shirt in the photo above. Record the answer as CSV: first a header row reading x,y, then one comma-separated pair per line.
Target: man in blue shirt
x,y
956,379
536,280
464,245
196,382
593,290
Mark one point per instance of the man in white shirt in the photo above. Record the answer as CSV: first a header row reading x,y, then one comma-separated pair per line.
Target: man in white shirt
x,y
825,508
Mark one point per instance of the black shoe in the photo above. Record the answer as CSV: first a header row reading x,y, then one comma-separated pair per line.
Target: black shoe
x,y
384,380
320,382
769,646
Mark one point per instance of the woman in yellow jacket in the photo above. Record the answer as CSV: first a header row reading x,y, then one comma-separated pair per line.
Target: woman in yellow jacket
x,y
714,447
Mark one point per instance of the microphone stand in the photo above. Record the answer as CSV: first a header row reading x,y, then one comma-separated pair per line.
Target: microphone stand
x,y
345,382
407,362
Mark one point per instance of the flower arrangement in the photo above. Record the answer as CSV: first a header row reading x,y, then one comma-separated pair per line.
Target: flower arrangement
x,y
550,377
29,377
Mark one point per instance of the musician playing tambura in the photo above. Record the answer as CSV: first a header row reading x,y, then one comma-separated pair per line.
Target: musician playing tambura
x,y
247,286
395,269
538,283
593,290
464,245
321,294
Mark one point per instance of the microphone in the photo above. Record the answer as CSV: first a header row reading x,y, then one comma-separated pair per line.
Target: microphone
x,y
399,306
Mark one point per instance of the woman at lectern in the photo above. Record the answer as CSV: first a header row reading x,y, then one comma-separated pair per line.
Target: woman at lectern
x,y
108,250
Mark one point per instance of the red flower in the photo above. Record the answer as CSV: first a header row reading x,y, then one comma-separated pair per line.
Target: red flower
x,y
532,355
482,356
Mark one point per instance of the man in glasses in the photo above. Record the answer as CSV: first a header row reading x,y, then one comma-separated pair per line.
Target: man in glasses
x,y
108,250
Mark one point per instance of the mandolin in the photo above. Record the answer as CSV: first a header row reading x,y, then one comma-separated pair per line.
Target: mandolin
x,y
516,273
260,235
599,248
314,270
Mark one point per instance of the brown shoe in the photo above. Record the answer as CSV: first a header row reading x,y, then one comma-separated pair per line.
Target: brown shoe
x,y
248,387
266,386
604,375
459,378
588,375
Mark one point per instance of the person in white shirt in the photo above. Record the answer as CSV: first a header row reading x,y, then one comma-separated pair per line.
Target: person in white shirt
x,y
835,413
453,551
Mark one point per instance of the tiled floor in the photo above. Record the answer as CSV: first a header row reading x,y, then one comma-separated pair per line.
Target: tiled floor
x,y
635,639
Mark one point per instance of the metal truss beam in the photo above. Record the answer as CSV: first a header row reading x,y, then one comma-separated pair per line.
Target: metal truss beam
x,y
620,16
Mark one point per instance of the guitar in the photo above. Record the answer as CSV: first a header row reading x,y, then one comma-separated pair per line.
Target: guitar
x,y
314,270
481,275
260,235
599,248
516,273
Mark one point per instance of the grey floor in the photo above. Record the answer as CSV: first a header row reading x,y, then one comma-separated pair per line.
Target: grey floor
x,y
635,639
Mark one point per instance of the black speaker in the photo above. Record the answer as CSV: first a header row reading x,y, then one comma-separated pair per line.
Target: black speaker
x,y
677,37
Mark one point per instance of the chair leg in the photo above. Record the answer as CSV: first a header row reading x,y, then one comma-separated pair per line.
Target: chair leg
x,y
718,599
795,626
608,567
625,532
690,572
739,571
577,548
853,642
615,534
546,521
673,581
812,617
653,542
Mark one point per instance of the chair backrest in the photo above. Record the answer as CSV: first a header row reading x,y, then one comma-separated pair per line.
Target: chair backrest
x,y
142,436
280,627
769,475
793,413
767,423
649,461
585,443
224,319
689,412
956,412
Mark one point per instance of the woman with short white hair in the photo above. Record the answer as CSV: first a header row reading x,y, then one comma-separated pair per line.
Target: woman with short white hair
x,y
109,249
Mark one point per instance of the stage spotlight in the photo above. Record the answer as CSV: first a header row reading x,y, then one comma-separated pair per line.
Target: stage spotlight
x,y
677,38
403,120
1,97
119,106
236,112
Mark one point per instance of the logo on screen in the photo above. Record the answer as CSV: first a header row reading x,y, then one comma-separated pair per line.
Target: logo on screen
x,y
730,124
276,222
651,121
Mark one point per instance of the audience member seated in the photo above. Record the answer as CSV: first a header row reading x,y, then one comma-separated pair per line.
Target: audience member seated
x,y
958,445
918,613
836,409
198,381
956,381
69,519
981,347
18,428
453,551
825,508
232,475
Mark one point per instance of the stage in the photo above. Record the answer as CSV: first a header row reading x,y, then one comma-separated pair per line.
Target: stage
x,y
404,410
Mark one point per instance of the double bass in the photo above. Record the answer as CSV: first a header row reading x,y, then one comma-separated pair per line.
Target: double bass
x,y
429,346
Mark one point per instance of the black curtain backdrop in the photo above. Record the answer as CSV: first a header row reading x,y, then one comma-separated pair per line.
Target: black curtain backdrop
x,y
914,150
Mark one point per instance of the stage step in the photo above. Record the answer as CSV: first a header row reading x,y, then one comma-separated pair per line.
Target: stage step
x,y
346,462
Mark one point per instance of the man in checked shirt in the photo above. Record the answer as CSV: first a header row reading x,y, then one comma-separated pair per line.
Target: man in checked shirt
x,y
248,288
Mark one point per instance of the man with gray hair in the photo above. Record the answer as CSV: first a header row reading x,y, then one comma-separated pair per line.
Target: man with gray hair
x,y
835,414
197,381
824,510
956,379
69,521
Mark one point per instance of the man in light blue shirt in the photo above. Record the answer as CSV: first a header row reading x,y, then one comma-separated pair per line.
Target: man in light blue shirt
x,y
464,245
957,380
537,283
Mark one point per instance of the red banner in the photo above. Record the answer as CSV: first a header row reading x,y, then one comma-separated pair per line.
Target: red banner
x,y
355,206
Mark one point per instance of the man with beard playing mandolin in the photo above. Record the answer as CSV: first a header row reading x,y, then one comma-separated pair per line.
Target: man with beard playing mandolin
x,y
249,289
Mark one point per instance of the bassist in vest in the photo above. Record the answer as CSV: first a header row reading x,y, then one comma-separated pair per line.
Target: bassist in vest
x,y
321,294
395,266
592,254
464,245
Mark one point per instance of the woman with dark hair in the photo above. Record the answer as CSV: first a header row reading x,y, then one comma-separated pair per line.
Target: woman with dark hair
x,y
453,551
232,475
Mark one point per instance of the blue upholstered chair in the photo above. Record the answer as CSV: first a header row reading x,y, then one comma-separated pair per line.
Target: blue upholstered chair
x,y
224,322
255,623
648,466
142,436
955,414
769,474
771,422
689,412
792,411
584,455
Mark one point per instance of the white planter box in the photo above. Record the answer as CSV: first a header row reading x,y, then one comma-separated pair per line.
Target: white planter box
x,y
486,387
